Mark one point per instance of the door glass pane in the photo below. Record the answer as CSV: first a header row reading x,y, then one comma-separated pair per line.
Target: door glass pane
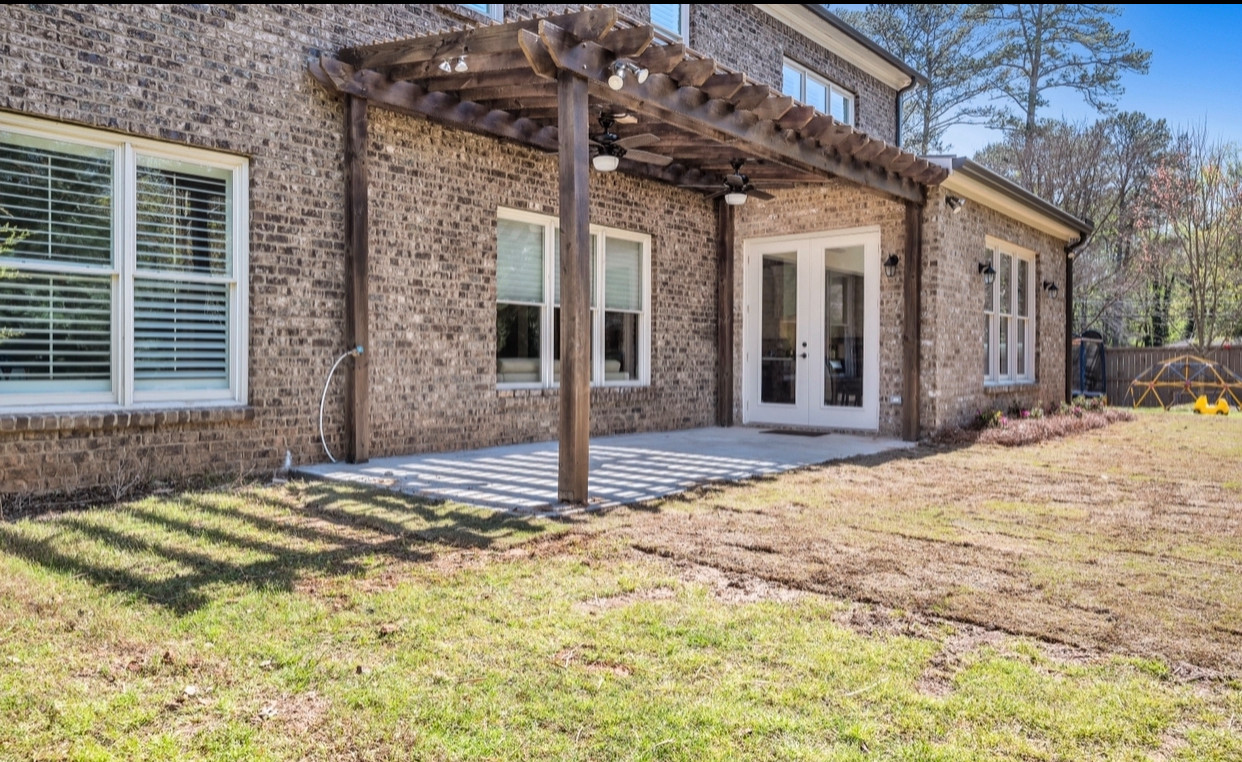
x,y
843,327
779,329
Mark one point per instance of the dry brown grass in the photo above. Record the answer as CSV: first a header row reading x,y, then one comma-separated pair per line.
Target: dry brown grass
x,y
1125,540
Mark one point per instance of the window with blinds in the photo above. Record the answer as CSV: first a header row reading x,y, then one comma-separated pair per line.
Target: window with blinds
x,y
671,19
121,283
1008,325
528,288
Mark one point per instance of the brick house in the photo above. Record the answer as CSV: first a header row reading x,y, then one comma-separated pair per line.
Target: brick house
x,y
217,201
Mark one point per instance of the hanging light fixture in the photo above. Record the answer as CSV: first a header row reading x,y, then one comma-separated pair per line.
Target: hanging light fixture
x,y
890,265
608,157
988,272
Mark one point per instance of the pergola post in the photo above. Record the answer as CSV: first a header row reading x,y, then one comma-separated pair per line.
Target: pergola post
x,y
724,313
357,282
911,332
575,395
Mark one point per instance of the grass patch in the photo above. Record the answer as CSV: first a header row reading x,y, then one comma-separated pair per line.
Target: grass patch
x,y
786,618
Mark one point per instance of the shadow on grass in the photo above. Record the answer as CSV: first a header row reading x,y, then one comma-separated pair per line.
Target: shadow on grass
x,y
182,552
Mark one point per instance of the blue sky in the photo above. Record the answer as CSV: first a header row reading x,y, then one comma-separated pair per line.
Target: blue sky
x,y
1196,69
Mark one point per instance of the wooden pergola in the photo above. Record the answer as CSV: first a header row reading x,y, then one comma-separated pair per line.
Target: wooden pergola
x,y
543,82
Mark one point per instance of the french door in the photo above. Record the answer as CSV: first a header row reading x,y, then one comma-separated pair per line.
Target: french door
x,y
811,330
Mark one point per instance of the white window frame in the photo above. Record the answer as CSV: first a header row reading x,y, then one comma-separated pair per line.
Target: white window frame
x,y
994,251
830,89
126,153
600,234
494,11
683,20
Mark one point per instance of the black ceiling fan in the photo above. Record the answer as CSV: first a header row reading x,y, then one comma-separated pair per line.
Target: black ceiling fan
x,y
736,187
608,144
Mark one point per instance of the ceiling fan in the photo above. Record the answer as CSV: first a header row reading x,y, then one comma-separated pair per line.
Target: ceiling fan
x,y
736,187
607,148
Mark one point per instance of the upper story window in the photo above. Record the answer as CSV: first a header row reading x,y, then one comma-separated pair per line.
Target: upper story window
x,y
673,20
1008,316
491,10
528,303
820,92
127,283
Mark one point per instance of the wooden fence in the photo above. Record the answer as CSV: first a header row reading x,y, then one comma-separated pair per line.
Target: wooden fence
x,y
1124,364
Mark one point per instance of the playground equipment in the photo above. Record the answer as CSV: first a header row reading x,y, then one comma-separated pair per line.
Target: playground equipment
x,y
1090,366
1184,380
1203,408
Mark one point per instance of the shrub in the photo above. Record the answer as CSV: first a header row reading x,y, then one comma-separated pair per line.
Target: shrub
x,y
1021,426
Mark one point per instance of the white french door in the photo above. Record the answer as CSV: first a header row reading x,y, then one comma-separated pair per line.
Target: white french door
x,y
811,327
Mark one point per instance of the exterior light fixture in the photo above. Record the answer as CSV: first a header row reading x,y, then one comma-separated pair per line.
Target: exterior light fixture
x,y
955,203
735,198
1052,289
605,162
618,70
461,65
890,265
445,66
988,272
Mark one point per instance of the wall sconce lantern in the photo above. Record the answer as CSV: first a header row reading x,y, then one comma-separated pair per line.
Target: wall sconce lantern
x,y
1052,289
955,203
890,265
988,272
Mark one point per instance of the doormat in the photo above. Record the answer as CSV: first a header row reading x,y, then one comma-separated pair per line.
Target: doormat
x,y
795,432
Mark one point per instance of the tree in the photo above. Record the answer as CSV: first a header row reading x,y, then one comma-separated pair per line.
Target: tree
x,y
1044,47
949,45
1196,194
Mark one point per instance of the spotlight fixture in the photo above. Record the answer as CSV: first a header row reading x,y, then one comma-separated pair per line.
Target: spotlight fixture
x,y
1052,289
955,203
461,65
618,70
988,272
890,265
445,66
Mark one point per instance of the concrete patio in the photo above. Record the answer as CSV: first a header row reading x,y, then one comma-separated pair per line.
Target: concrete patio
x,y
626,468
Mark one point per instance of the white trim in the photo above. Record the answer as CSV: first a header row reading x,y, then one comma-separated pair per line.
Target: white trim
x,y
835,41
830,88
992,379
547,350
809,385
127,153
981,194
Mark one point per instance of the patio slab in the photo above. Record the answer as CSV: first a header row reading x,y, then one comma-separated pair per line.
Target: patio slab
x,y
625,468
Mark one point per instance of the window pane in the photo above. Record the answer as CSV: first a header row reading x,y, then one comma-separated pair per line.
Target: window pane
x,y
816,95
620,346
791,82
1003,346
181,335
668,18
1023,266
1003,276
58,331
183,221
987,346
517,343
842,107
623,261
60,195
1020,339
519,261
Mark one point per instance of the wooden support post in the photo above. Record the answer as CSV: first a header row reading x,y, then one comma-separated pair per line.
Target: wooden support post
x,y
357,284
575,396
724,313
911,333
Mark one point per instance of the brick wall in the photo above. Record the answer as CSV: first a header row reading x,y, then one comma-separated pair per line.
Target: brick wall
x,y
952,373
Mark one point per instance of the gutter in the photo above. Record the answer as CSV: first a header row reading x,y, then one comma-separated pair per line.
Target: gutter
x,y
865,41
1071,250
900,96
1004,186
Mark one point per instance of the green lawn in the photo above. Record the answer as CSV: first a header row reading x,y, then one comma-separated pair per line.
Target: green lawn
x,y
308,621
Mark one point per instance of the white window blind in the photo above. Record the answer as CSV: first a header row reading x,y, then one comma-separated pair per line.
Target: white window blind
x,y
519,262
668,18
623,275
